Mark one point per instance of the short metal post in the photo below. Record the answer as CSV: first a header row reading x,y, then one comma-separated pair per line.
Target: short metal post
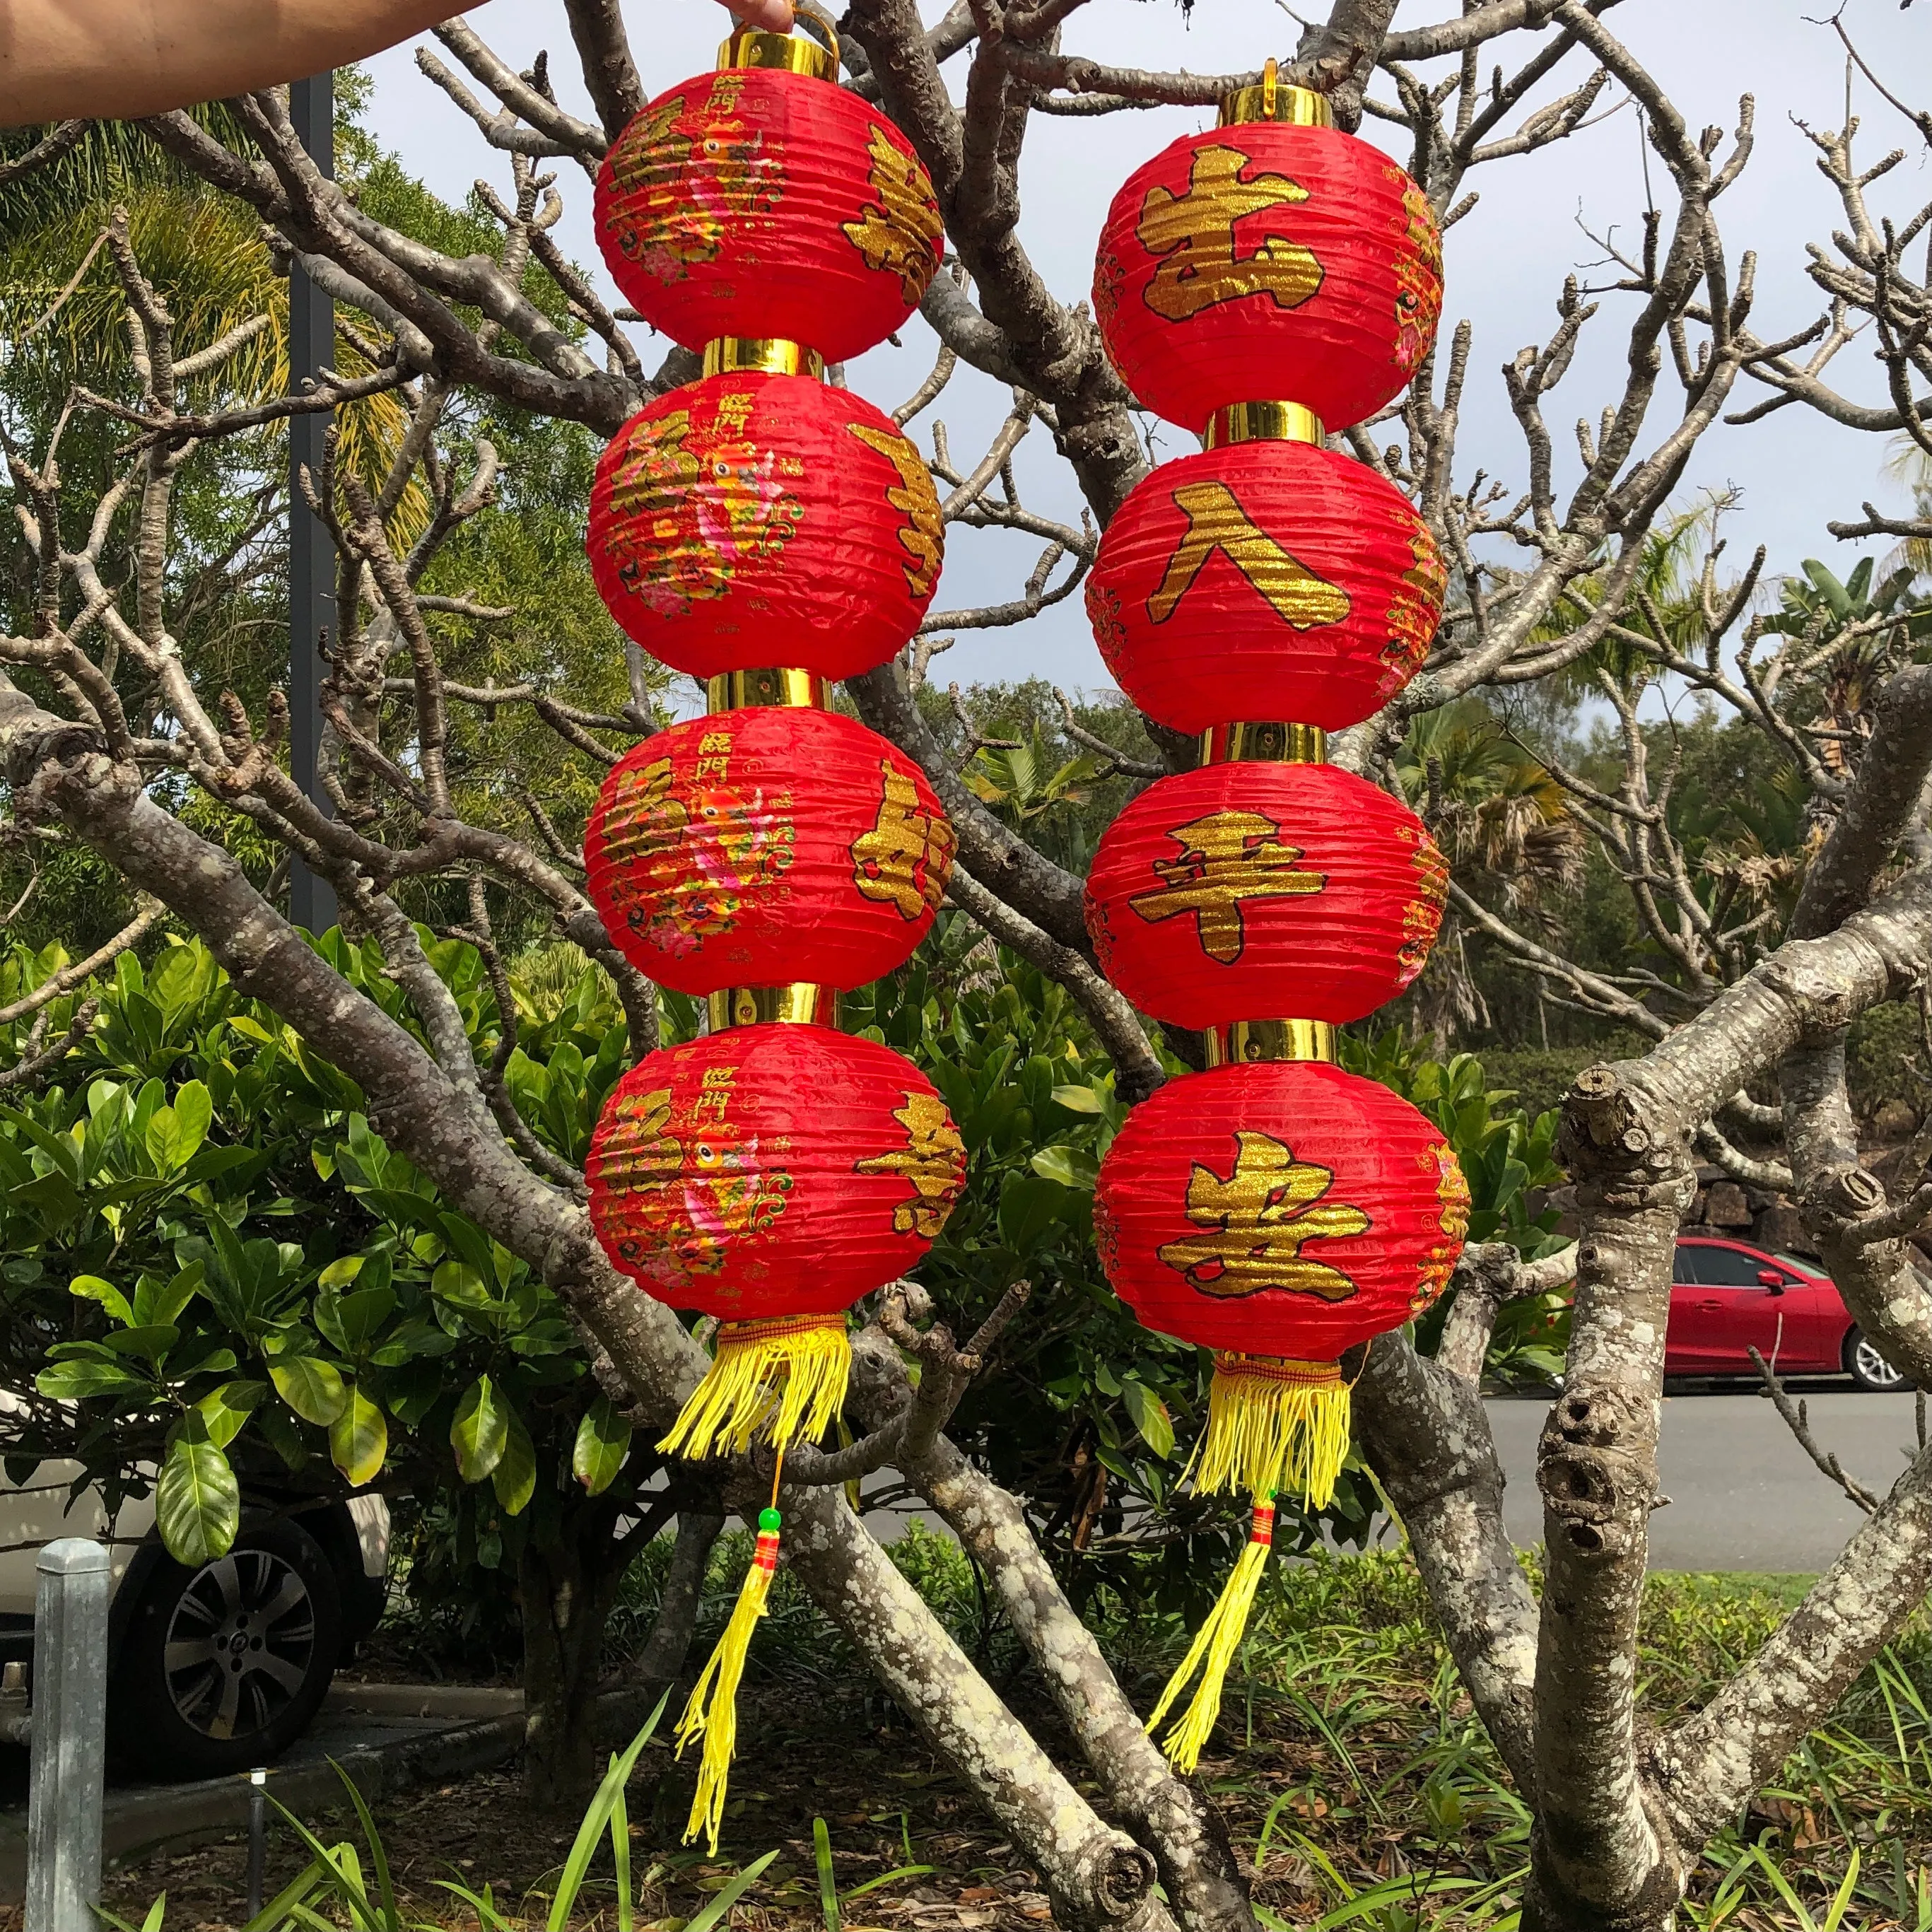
x,y
66,1772
258,1839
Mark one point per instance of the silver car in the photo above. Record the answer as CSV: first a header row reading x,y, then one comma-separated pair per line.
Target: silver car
x,y
214,1669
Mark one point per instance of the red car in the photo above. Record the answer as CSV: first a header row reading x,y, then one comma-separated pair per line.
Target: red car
x,y
1726,1298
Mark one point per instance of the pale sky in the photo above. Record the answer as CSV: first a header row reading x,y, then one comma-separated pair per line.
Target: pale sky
x,y
1506,261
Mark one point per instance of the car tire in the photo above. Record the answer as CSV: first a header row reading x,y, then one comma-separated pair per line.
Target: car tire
x,y
1867,1367
223,1667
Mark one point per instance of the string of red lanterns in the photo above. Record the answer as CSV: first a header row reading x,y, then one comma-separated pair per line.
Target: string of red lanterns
x,y
1260,283
769,534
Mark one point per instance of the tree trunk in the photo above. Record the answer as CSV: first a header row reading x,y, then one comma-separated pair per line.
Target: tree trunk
x,y
564,1610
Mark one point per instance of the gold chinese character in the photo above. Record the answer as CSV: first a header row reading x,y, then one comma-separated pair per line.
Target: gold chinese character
x,y
922,535
1216,521
1195,233
1225,859
934,1160
895,231
640,1152
904,858
1254,1223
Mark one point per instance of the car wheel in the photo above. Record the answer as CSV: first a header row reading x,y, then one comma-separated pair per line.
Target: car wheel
x,y
223,1666
1867,1367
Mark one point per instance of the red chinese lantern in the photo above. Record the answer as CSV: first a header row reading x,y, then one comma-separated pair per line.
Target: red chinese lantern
x,y
1262,261
1278,1214
1268,579
754,519
1240,891
770,1176
760,847
764,201
1285,1211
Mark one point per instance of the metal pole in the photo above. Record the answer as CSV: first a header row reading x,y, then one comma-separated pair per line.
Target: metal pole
x,y
66,1771
258,1839
311,555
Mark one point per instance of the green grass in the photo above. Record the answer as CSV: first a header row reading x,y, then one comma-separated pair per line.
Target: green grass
x,y
1352,1773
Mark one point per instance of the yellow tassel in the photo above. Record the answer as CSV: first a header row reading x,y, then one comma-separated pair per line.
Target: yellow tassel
x,y
719,1725
1216,1642
1273,1426
737,1395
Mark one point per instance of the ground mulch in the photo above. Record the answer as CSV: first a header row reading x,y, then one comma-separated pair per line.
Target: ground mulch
x,y
880,1792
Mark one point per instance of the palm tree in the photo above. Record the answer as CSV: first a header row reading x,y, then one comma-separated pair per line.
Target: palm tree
x,y
1504,825
61,303
1852,636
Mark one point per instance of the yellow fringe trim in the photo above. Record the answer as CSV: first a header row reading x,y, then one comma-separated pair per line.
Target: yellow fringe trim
x,y
719,1725
738,1397
1215,1643
1274,1426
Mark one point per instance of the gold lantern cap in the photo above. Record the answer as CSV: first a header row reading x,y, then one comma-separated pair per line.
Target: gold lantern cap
x,y
1252,1042
801,1003
1262,422
1264,742
781,685
764,354
1270,100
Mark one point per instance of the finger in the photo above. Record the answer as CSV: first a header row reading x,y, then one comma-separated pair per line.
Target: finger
x,y
774,15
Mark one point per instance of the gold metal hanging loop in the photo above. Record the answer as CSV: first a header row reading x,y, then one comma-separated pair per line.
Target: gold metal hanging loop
x,y
752,46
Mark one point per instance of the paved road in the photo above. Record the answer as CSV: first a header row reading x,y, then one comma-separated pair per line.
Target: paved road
x,y
1744,1496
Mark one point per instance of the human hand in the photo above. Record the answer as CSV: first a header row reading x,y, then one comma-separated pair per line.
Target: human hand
x,y
774,15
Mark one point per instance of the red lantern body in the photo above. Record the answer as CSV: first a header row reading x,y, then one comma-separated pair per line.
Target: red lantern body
x,y
1273,580
770,1171
763,847
1259,891
1267,263
1288,1210
751,519
757,202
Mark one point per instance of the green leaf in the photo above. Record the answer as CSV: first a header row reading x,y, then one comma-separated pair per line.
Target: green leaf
x,y
283,1437
339,1274
462,1286
156,1302
481,1432
358,1440
150,1344
225,1410
75,1381
1029,1206
1079,1100
314,1390
603,1441
350,1322
174,1134
1071,1167
197,1502
514,1478
92,1287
